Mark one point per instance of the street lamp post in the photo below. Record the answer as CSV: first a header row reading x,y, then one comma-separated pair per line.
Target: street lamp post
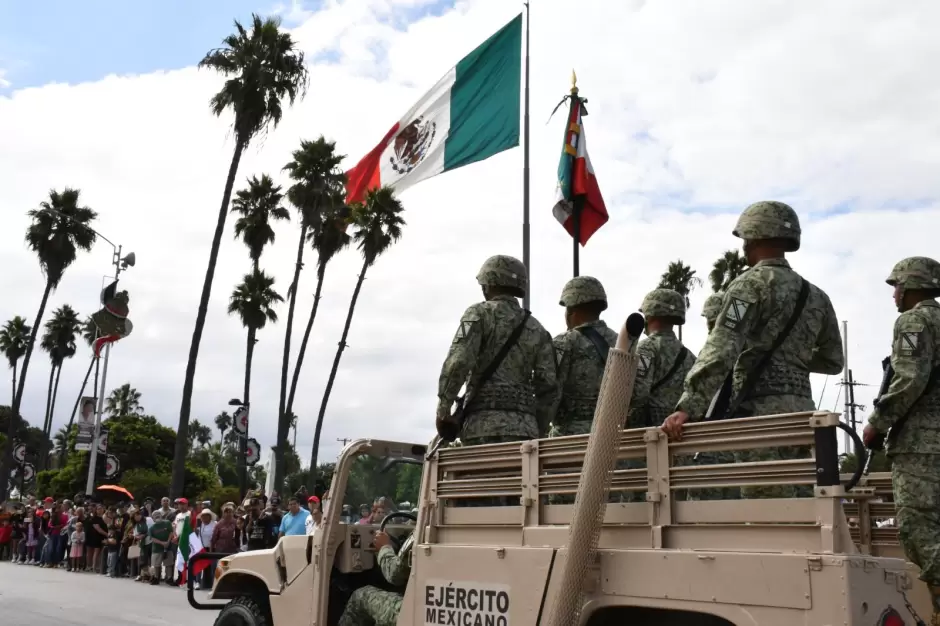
x,y
242,466
120,263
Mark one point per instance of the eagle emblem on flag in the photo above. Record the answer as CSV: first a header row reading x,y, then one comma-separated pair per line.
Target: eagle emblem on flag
x,y
412,144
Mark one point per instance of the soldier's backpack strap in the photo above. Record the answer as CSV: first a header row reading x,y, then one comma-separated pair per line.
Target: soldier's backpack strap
x,y
600,344
461,402
680,359
724,406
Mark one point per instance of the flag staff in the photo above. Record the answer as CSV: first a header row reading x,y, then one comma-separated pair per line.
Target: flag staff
x,y
577,201
525,171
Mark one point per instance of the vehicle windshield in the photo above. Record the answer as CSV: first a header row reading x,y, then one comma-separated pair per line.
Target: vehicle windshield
x,y
379,486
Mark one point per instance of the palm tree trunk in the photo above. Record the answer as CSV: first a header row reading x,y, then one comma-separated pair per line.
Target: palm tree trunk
x,y
281,414
78,400
45,423
55,395
303,344
312,479
6,462
179,453
243,441
13,395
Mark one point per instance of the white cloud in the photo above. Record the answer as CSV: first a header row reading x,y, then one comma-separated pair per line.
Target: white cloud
x,y
4,83
691,105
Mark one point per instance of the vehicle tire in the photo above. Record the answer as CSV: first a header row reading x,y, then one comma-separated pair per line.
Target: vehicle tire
x,y
243,611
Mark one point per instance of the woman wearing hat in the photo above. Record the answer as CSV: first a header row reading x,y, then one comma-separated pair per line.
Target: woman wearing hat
x,y
205,526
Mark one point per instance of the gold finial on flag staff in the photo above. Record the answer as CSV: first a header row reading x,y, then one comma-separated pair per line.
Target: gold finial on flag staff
x,y
574,83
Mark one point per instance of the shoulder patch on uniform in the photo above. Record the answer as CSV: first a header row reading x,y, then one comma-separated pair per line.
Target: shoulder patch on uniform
x,y
643,365
909,343
464,330
736,312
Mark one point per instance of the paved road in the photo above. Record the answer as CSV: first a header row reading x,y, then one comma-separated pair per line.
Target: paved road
x,y
30,596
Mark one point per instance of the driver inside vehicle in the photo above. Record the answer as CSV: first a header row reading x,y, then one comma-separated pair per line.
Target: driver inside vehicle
x,y
371,605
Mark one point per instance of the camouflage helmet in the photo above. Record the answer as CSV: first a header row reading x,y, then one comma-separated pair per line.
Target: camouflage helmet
x,y
712,306
503,271
664,303
916,272
769,220
581,290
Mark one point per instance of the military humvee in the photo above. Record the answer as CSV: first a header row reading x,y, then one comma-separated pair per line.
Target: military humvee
x,y
666,559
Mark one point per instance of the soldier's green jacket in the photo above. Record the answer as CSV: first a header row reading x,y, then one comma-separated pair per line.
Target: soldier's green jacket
x,y
757,305
518,400
580,370
395,567
655,357
915,352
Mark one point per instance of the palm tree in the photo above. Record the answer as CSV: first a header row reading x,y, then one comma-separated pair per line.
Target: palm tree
x,y
253,301
60,228
61,441
292,421
199,433
258,206
14,337
378,225
680,277
125,400
58,341
223,421
317,191
726,268
263,67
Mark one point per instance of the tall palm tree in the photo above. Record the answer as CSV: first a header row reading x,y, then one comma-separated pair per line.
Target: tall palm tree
x,y
378,225
61,441
60,228
223,421
124,400
726,268
263,67
257,207
680,277
199,434
253,301
318,187
14,337
58,341
89,334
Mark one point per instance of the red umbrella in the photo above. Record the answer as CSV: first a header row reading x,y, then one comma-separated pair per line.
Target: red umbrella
x,y
117,489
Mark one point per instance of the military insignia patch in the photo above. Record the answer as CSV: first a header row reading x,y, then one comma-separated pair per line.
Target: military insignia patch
x,y
643,365
735,313
464,330
909,343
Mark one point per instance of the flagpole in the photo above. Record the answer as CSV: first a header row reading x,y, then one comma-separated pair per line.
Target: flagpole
x,y
577,202
525,172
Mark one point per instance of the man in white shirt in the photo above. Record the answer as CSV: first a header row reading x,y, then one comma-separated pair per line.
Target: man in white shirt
x,y
313,521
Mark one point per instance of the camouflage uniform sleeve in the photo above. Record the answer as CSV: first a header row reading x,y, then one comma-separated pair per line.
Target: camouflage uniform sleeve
x,y
462,357
739,313
646,357
828,357
911,358
547,391
395,567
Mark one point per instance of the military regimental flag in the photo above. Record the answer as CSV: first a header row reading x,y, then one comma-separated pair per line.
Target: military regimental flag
x,y
471,114
576,178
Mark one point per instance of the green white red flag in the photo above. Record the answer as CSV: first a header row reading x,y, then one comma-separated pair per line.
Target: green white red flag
x,y
189,546
576,178
471,114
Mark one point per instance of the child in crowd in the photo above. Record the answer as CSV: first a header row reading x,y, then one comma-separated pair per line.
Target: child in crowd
x,y
32,536
78,544
6,537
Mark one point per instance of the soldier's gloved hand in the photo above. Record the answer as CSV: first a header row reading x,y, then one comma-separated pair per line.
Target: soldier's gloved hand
x,y
672,426
447,428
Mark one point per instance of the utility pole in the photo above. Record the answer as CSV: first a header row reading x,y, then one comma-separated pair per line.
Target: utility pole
x,y
845,381
344,440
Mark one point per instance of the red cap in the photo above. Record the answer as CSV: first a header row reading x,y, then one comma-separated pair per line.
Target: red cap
x,y
313,499
48,499
182,501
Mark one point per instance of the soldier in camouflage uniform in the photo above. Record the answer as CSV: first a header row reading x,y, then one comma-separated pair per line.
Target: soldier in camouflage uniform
x,y
581,354
370,605
757,306
710,311
662,363
914,396
516,403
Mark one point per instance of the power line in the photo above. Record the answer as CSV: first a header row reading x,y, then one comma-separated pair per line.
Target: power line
x,y
344,440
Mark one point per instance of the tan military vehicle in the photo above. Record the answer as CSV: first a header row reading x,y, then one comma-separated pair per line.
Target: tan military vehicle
x,y
610,558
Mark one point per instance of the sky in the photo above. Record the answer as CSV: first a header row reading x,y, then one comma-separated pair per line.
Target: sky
x,y
696,110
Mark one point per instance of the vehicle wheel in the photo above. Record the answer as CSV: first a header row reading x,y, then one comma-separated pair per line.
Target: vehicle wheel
x,y
243,611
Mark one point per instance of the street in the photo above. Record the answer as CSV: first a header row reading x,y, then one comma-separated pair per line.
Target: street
x,y
30,596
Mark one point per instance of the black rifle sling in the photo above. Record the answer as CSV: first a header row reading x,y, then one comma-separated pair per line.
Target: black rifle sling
x,y
600,344
680,359
754,374
486,374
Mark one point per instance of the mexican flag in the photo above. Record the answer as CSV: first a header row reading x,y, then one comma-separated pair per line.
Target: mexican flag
x,y
576,178
471,114
189,545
